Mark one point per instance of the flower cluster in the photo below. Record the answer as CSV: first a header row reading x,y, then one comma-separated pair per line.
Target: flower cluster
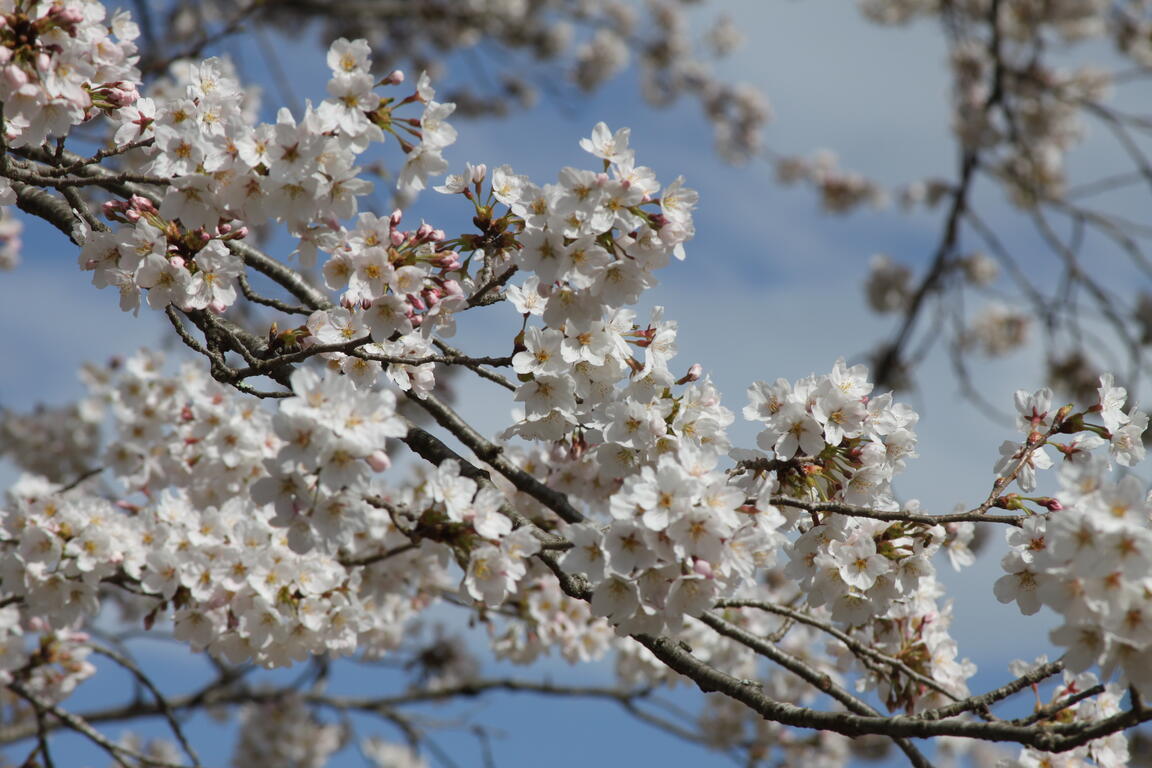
x,y
399,287
998,329
1109,752
58,443
185,431
332,438
840,191
227,574
547,618
589,245
830,442
1088,554
587,43
223,563
61,63
889,288
48,663
284,733
385,754
224,173
859,442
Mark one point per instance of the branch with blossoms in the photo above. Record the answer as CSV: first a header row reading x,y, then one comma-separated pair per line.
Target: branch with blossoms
x,y
583,45
272,527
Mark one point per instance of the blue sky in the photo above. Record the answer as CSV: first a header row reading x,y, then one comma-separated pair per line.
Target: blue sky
x,y
771,287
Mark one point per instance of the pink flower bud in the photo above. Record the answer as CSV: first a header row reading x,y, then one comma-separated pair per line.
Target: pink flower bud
x,y
447,261
379,461
704,568
121,95
694,373
65,17
14,77
397,237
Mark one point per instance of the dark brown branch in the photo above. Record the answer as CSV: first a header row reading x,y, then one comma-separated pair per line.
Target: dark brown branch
x,y
851,510
159,698
493,455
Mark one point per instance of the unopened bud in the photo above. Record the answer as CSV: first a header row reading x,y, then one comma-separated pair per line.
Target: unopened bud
x,y
121,93
449,261
1011,501
694,373
379,461
703,568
